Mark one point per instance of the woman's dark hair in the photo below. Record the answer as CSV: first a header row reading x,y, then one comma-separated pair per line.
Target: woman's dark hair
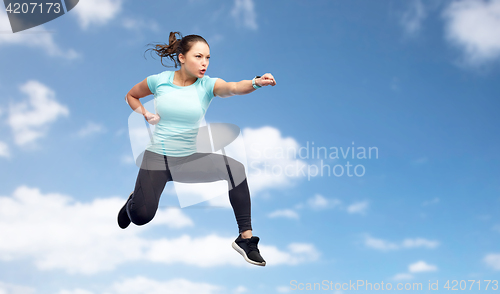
x,y
176,46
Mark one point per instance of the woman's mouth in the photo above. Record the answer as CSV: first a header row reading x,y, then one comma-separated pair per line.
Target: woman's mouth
x,y
203,71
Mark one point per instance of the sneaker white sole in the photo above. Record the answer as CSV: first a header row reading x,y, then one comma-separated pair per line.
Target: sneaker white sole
x,y
242,252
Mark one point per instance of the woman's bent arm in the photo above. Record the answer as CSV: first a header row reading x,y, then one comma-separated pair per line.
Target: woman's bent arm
x,y
138,91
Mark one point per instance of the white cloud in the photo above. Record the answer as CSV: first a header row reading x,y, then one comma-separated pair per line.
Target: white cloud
x,y
186,249
272,159
320,202
57,232
358,207
419,242
60,233
173,217
140,24
96,12
421,266
142,284
178,286
15,289
91,128
402,276
316,202
472,26
244,10
241,289
75,291
283,289
286,213
297,253
29,120
4,150
493,261
413,17
37,38
385,245
380,244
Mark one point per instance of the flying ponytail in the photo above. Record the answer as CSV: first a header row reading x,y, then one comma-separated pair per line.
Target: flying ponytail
x,y
176,46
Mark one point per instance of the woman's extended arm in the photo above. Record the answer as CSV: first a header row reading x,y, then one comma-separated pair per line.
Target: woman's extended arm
x,y
224,89
141,90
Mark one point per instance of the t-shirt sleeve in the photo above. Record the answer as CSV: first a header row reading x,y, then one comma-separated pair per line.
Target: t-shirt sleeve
x,y
153,81
209,87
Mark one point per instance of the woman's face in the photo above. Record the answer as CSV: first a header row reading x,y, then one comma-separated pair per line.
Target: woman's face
x,y
195,61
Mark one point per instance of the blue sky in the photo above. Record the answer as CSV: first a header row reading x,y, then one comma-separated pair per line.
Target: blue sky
x,y
413,80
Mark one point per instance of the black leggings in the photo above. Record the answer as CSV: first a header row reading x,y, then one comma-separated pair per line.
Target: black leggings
x,y
156,170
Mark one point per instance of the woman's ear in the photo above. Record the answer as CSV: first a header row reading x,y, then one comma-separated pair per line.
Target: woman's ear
x,y
182,58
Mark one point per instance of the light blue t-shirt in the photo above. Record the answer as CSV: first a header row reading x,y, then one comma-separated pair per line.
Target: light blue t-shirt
x,y
181,109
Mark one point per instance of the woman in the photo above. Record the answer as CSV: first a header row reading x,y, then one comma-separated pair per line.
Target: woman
x,y
181,100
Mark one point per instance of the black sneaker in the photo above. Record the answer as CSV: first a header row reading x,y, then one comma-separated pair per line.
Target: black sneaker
x,y
123,219
248,248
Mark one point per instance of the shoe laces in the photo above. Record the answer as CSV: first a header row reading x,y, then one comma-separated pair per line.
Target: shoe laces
x,y
252,246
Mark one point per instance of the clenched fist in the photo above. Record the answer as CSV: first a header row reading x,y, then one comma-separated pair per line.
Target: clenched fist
x,y
151,118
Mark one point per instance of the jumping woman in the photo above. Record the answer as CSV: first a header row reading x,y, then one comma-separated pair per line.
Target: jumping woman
x,y
181,100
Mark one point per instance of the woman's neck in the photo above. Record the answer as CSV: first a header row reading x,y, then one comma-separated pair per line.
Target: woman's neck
x,y
181,78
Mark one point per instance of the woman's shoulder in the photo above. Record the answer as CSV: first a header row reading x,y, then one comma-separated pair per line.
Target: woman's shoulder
x,y
166,73
207,81
163,76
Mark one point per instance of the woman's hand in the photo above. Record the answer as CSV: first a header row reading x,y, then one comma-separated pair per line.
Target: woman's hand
x,y
265,80
151,118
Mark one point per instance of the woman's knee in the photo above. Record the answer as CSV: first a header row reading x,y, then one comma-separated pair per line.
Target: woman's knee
x,y
141,216
237,170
